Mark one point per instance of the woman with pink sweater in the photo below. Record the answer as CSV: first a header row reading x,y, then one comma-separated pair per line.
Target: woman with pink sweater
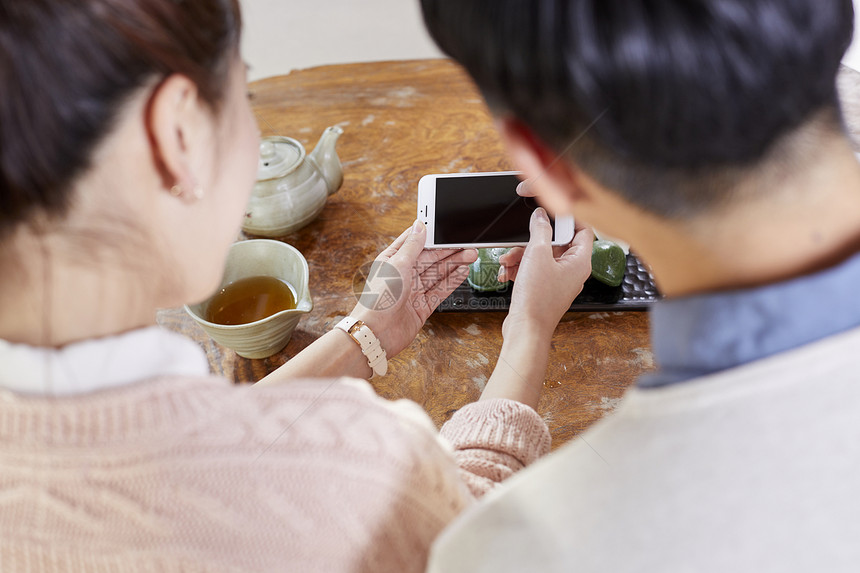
x,y
127,153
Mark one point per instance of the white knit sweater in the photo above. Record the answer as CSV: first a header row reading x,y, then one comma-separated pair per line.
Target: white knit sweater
x,y
752,469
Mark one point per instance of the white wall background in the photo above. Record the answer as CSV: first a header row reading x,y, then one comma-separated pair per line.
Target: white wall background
x,y
283,35
852,57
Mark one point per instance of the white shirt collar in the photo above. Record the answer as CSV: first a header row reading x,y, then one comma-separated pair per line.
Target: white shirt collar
x,y
99,364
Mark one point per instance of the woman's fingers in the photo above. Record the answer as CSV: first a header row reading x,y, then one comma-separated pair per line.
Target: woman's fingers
x,y
582,243
432,270
443,269
439,291
508,273
512,257
454,259
411,247
431,257
510,261
426,257
509,264
392,249
580,226
584,237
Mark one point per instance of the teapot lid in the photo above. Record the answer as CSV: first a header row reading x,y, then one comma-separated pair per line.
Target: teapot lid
x,y
278,156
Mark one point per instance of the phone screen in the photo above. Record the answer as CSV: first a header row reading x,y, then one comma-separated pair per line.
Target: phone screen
x,y
482,209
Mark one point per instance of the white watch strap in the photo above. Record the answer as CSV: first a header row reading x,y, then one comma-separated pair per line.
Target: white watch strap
x,y
369,344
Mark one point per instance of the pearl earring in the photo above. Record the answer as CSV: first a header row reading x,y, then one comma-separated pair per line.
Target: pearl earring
x,y
196,194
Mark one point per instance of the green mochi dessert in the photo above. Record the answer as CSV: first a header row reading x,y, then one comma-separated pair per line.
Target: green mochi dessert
x,y
484,272
608,262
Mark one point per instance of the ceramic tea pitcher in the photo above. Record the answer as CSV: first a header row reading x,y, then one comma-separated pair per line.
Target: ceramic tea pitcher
x,y
292,186
269,335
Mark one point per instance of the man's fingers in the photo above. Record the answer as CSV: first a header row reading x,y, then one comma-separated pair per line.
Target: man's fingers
x,y
526,189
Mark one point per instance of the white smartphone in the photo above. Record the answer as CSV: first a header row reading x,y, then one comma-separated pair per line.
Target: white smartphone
x,y
475,210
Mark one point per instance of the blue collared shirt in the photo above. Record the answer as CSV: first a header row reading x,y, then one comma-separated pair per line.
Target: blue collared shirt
x,y
698,335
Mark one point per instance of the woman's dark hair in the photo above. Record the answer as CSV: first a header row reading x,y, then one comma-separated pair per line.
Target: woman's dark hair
x,y
66,69
657,94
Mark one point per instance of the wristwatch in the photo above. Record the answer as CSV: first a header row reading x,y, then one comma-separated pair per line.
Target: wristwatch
x,y
369,344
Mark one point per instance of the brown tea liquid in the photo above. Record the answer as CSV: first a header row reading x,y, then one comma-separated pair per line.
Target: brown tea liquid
x,y
250,299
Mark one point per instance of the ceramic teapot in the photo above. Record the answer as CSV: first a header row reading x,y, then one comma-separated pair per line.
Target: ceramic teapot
x,y
292,186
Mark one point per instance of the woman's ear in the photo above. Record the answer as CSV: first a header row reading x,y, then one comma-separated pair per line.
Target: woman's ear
x,y
554,179
175,121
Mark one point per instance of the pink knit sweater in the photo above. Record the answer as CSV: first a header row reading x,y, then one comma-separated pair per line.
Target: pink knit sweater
x,y
196,474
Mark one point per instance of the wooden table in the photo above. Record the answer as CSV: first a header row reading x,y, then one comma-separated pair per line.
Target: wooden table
x,y
402,120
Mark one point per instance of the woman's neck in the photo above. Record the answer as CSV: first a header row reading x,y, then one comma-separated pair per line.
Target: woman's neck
x,y
56,293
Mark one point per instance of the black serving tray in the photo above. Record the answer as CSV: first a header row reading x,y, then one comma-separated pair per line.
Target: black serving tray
x,y
637,292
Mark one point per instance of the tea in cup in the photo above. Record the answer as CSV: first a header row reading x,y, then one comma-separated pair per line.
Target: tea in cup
x,y
262,297
250,299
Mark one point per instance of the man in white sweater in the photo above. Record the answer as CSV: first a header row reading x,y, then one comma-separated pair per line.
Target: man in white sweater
x,y
709,135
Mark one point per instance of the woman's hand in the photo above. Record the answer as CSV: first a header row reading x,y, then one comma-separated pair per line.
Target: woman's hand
x,y
547,278
405,285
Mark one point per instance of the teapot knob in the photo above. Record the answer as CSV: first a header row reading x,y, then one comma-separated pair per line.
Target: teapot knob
x,y
267,151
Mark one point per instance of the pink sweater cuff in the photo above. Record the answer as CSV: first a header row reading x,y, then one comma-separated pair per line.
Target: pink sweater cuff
x,y
499,425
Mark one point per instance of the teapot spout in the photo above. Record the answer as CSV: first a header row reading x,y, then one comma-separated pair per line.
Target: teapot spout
x,y
324,158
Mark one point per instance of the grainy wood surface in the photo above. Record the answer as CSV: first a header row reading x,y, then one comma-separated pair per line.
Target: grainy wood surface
x,y
402,120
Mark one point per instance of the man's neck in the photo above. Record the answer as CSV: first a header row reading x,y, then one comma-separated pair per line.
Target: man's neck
x,y
810,222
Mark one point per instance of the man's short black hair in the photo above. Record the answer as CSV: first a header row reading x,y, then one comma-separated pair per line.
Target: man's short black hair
x,y
659,95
